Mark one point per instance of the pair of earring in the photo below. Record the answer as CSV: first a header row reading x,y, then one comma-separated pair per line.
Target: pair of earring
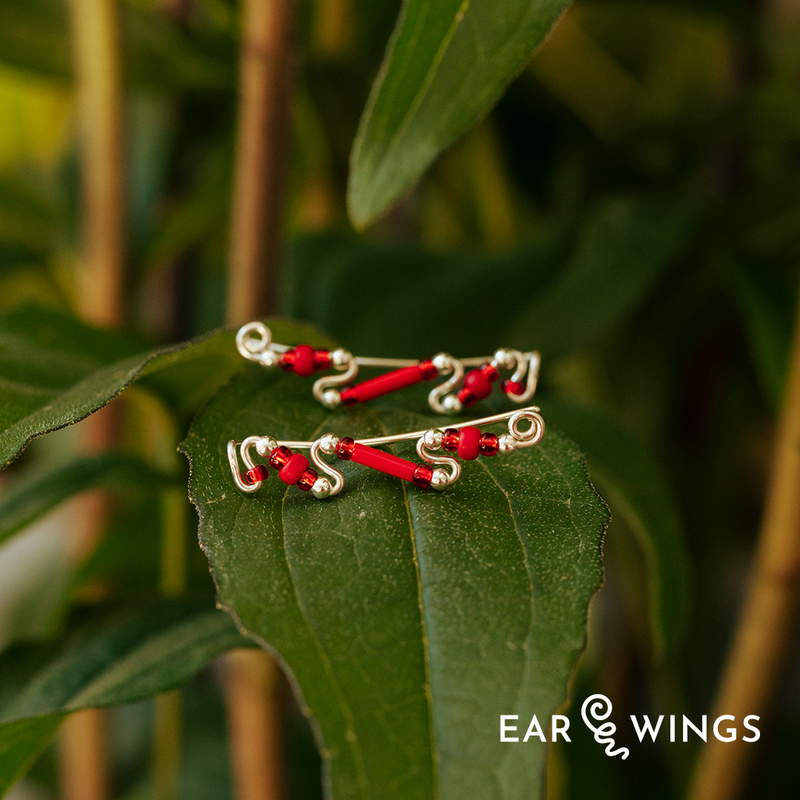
x,y
525,426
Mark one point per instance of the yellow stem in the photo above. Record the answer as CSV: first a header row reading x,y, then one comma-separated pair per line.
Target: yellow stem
x,y
766,625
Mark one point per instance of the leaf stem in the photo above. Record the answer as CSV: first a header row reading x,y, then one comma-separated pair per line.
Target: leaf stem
x,y
265,91
766,623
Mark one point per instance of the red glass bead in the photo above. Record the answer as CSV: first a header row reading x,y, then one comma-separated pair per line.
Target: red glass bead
x,y
258,473
304,360
427,370
293,469
512,387
488,444
489,371
450,440
322,359
279,457
422,476
468,443
307,479
345,448
286,361
478,384
466,396
384,462
349,396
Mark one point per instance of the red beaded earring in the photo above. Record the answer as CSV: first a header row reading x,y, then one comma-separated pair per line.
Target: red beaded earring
x,y
437,472
254,342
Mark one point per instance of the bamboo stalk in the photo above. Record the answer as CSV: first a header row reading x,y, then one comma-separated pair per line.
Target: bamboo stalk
x,y
265,87
766,625
253,685
83,765
99,102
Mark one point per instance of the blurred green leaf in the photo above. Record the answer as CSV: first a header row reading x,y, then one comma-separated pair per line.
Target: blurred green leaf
x,y
636,488
29,224
447,63
622,248
122,657
40,490
55,371
35,37
405,613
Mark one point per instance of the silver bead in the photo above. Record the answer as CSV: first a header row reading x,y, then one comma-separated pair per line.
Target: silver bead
x,y
503,359
265,445
269,358
433,438
321,488
440,480
328,442
451,404
443,363
507,443
331,398
340,358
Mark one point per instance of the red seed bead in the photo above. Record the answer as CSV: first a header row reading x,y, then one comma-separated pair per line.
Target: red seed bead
x,y
450,440
489,371
258,473
466,396
307,479
427,370
488,444
293,469
286,361
322,359
304,360
478,384
279,457
345,448
349,396
468,443
512,387
422,476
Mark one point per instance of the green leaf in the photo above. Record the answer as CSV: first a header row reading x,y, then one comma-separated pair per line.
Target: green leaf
x,y
123,657
625,243
42,489
635,486
55,371
447,63
409,620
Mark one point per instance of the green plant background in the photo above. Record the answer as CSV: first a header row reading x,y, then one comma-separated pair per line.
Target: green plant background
x,y
626,201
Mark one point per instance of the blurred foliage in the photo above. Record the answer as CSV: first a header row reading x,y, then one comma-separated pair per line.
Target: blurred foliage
x,y
631,206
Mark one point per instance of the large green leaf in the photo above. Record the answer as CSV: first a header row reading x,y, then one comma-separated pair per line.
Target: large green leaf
x,y
447,63
123,657
410,621
636,488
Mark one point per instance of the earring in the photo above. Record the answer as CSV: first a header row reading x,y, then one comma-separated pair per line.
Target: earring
x,y
254,342
439,472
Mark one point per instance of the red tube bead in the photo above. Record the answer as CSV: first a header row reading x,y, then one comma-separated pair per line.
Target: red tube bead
x,y
384,462
286,361
279,457
450,440
389,382
488,444
468,443
307,479
293,469
258,473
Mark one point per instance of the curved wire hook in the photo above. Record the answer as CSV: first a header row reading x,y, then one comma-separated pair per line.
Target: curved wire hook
x,y
427,455
325,389
323,444
437,399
